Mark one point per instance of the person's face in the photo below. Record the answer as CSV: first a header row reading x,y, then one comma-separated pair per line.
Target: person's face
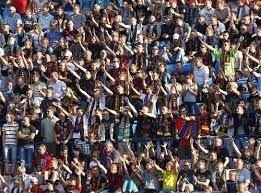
x,y
208,4
214,21
198,63
108,148
203,49
213,156
29,93
36,78
189,78
152,19
226,46
218,142
9,118
246,20
169,167
155,50
220,167
26,121
70,25
50,113
239,110
79,112
148,166
11,10
115,63
54,77
41,150
201,165
164,110
183,111
239,164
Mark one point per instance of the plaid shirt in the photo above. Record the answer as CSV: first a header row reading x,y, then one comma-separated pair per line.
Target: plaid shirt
x,y
13,21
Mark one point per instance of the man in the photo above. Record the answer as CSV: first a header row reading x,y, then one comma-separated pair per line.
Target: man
x,y
42,161
45,18
39,89
201,74
222,152
48,100
226,58
217,26
58,85
77,17
47,129
13,19
25,137
207,11
243,174
109,155
202,177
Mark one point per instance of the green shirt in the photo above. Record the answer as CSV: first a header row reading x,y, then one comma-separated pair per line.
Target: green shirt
x,y
227,63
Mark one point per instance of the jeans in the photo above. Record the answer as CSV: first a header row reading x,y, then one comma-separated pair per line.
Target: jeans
x,y
26,156
129,186
191,107
166,191
10,153
242,142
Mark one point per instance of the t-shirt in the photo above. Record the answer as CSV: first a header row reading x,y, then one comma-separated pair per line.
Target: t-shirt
x,y
170,180
227,63
10,130
26,131
202,177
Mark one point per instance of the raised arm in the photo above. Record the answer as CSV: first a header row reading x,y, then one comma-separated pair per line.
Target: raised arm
x,y
133,110
201,147
82,91
235,148
208,46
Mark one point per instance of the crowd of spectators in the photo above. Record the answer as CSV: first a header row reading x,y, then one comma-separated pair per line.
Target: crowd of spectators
x,y
128,96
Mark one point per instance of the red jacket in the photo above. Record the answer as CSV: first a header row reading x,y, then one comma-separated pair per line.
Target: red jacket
x,y
37,189
43,162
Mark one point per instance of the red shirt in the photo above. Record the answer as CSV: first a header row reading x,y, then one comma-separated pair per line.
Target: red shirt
x,y
43,162
20,5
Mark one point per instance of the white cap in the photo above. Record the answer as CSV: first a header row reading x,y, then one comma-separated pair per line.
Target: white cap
x,y
176,36
92,164
34,180
68,53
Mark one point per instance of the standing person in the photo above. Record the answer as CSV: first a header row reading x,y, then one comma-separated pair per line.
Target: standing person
x,y
47,129
26,135
58,85
45,18
13,19
9,130
77,17
190,93
226,58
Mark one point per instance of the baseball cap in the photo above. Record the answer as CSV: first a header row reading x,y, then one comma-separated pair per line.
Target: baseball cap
x,y
176,36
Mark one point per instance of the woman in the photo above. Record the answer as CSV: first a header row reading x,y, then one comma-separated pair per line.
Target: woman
x,y
189,94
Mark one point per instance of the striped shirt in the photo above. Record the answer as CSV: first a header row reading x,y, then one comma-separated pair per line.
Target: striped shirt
x,y
9,132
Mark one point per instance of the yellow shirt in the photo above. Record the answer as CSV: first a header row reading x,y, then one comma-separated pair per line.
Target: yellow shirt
x,y
170,180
